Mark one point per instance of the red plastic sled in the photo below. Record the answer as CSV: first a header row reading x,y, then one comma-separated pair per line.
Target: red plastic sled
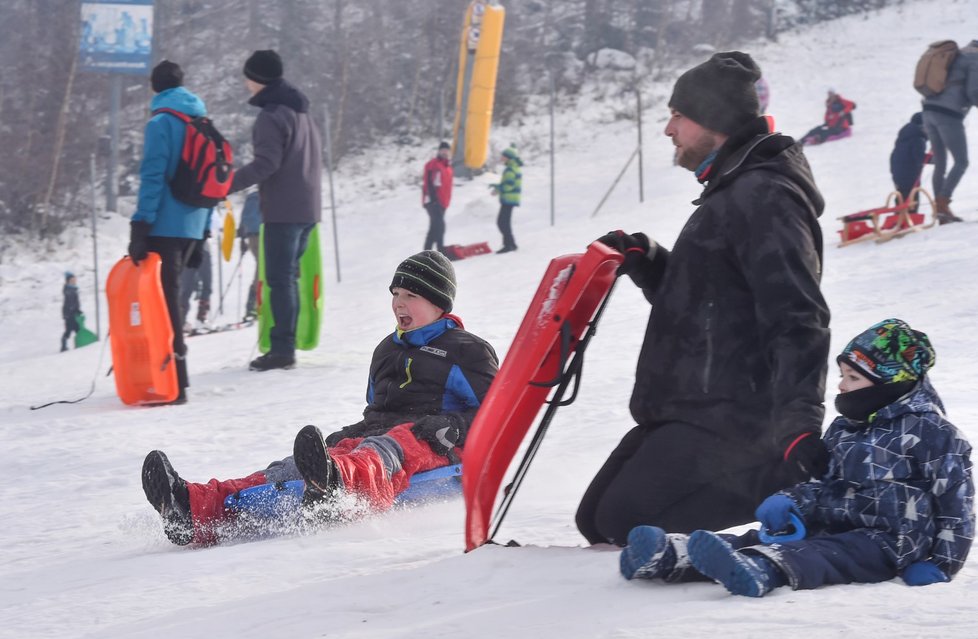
x,y
460,251
557,324
140,333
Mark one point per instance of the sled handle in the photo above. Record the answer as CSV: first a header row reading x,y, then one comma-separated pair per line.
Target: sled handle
x,y
565,340
794,531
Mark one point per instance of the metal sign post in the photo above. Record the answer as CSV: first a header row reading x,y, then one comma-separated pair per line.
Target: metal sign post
x,y
116,38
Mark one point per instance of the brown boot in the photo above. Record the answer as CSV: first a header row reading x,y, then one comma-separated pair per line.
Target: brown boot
x,y
943,212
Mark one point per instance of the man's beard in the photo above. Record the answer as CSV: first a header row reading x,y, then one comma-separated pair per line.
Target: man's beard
x,y
691,156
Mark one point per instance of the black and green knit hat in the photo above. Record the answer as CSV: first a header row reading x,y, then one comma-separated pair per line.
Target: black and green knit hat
x,y
430,275
888,352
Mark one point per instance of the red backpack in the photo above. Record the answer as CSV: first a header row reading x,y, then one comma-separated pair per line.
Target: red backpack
x,y
204,172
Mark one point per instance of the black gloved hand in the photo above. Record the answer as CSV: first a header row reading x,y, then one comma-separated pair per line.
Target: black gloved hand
x,y
636,247
808,453
438,432
138,247
196,257
244,246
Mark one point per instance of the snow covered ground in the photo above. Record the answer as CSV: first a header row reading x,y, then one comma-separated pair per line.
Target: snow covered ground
x,y
83,554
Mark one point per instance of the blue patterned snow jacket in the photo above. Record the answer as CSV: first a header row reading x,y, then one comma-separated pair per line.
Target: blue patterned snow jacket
x,y
903,479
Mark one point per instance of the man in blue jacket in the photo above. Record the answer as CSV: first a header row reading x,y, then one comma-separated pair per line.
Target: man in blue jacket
x,y
287,168
162,224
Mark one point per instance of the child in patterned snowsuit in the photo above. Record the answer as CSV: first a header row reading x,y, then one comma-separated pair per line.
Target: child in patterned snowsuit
x,y
426,382
897,499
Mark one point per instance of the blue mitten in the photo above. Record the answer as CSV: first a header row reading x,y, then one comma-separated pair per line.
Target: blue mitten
x,y
773,512
923,573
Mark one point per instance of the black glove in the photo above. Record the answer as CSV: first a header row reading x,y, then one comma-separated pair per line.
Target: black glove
x,y
244,246
636,247
438,432
138,247
196,254
808,453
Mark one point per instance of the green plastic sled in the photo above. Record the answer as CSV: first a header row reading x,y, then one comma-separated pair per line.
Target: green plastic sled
x,y
83,337
310,296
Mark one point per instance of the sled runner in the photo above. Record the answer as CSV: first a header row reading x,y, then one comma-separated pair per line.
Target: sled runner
x,y
895,218
547,352
462,251
140,333
283,500
310,296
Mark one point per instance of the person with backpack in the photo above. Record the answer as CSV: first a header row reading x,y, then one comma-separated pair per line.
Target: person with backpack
x,y
838,121
163,223
944,113
436,194
287,167
907,158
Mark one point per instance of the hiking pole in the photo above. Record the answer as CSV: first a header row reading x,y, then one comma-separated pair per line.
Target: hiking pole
x,y
231,280
564,379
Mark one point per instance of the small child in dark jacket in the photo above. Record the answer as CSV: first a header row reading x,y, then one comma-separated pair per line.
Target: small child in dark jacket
x,y
907,158
897,498
70,309
426,382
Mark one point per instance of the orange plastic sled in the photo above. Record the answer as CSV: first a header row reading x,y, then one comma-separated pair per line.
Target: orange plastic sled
x,y
140,333
545,353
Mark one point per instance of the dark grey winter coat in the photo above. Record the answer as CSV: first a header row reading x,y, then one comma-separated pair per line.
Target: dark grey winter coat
x,y
737,341
287,164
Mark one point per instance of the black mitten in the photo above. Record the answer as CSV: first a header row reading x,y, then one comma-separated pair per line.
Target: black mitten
x,y
636,247
438,432
808,453
138,236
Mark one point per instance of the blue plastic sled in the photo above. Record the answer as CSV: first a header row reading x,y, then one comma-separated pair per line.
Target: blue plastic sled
x,y
275,501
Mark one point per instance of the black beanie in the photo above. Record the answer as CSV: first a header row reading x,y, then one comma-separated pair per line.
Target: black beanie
x,y
430,275
444,145
264,67
719,94
166,75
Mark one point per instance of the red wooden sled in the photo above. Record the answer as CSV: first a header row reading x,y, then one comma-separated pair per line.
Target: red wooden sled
x,y
462,251
557,326
140,333
895,218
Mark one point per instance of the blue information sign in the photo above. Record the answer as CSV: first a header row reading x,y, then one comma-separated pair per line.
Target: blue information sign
x,y
117,36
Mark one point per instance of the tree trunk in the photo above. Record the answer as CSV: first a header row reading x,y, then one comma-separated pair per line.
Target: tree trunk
x,y
59,141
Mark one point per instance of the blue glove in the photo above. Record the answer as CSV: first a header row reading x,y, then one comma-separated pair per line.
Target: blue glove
x,y
773,512
923,573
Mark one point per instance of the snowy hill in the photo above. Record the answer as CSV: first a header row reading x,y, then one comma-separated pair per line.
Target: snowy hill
x,y
84,554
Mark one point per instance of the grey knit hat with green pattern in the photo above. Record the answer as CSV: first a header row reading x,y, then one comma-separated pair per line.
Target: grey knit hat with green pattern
x,y
430,275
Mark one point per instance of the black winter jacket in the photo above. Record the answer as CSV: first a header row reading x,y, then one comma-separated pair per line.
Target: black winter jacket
x,y
737,341
287,165
437,373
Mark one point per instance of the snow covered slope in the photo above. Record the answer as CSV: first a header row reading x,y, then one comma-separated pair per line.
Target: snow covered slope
x,y
83,554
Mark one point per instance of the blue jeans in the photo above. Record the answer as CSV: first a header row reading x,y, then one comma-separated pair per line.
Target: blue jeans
x,y
284,246
946,133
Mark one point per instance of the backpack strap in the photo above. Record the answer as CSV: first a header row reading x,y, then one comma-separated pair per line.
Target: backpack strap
x,y
183,116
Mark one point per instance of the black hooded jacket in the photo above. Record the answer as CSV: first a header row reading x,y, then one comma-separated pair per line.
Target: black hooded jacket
x,y
737,341
287,165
